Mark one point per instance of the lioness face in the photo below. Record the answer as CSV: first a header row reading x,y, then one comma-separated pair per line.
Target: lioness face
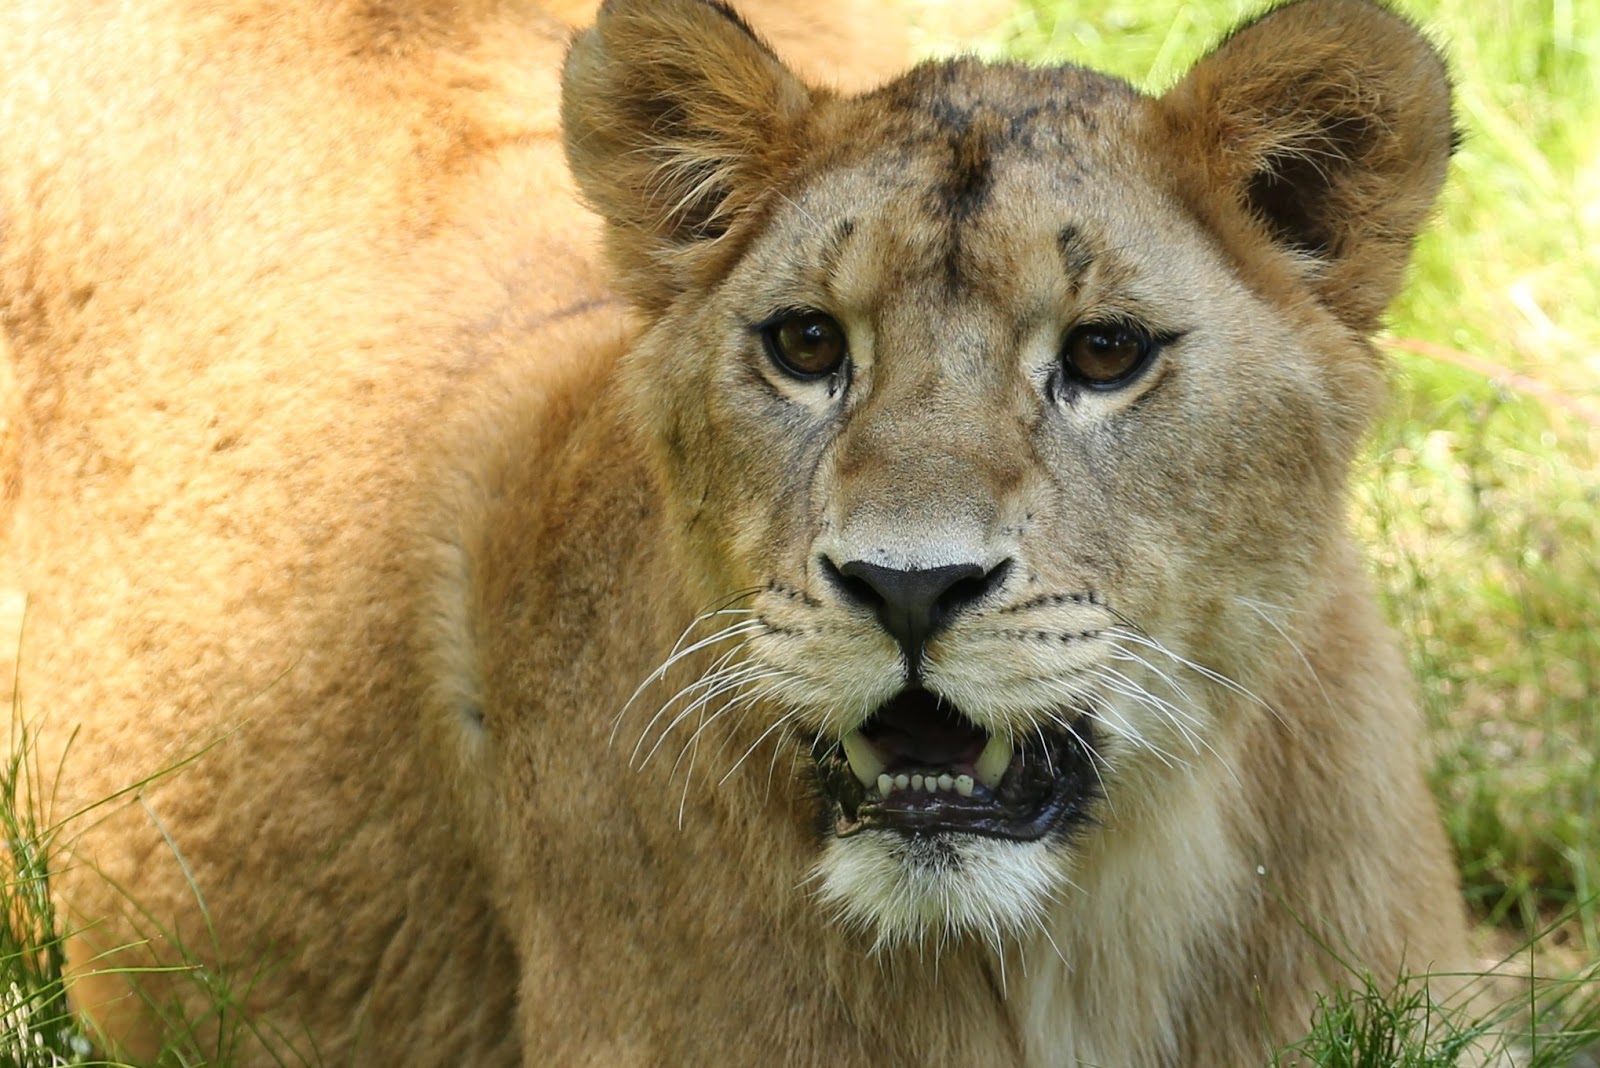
x,y
997,463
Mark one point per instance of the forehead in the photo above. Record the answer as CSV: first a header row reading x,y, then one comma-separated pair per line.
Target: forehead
x,y
965,178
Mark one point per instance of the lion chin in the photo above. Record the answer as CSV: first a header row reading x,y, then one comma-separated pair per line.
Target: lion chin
x,y
635,545
905,888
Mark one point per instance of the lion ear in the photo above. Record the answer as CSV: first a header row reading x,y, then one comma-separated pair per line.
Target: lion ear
x,y
678,122
1326,123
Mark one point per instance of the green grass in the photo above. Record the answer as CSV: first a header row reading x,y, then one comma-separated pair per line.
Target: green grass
x,y
1480,507
37,1027
1369,1024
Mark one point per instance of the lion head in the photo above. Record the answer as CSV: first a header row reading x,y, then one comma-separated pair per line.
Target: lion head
x,y
1004,413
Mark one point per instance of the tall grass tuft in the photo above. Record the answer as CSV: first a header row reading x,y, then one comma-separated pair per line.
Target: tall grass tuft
x,y
37,1026
1368,1024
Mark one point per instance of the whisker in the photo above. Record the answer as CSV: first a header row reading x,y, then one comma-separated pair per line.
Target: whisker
x,y
1122,652
1172,713
713,674
740,702
1199,669
779,722
1136,689
1259,609
1123,686
719,685
1108,714
1095,759
740,629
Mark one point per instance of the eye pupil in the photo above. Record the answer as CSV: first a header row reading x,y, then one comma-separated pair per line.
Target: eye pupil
x,y
808,345
1101,354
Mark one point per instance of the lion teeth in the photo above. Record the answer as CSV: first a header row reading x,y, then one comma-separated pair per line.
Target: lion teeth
x,y
863,757
992,763
925,781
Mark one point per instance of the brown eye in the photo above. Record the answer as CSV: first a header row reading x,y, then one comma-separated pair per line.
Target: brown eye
x,y
1103,354
808,345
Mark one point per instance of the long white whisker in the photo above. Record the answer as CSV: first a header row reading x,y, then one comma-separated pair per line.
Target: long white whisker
x,y
777,723
740,702
1199,669
1095,759
1108,714
1122,652
729,680
714,674
1258,609
1106,672
1173,714
1120,684
740,629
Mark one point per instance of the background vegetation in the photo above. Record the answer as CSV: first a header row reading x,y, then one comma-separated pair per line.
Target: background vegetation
x,y
1480,506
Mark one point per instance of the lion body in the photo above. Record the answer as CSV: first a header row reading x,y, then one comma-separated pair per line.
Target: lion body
x,y
343,544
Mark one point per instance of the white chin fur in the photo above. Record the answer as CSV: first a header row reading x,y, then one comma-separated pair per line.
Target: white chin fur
x,y
904,889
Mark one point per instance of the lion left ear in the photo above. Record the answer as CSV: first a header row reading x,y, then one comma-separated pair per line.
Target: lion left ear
x,y
1327,124
678,122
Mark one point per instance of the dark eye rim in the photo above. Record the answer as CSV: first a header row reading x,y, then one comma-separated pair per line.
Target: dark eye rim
x,y
1152,342
768,330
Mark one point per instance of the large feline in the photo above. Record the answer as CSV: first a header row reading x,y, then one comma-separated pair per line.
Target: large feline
x,y
969,456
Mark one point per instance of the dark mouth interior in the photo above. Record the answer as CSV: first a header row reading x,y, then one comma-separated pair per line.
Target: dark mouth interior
x,y
937,771
917,729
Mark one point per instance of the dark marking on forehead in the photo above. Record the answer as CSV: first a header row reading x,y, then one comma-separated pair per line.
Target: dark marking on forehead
x,y
970,178
1019,105
968,116
965,187
1076,255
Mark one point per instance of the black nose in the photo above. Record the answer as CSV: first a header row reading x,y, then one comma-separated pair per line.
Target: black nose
x,y
914,605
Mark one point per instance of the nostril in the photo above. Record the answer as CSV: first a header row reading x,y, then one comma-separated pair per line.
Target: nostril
x,y
853,587
969,590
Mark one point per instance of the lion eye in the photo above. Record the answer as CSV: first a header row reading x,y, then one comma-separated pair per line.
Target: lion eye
x,y
808,345
1104,354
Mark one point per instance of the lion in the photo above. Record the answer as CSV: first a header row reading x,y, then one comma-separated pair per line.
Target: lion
x,y
604,548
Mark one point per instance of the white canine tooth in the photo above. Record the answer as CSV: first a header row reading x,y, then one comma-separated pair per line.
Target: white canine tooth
x,y
946,782
964,785
902,781
916,782
863,757
885,784
992,763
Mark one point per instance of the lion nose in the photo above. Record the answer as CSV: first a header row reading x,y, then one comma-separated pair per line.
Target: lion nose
x,y
916,604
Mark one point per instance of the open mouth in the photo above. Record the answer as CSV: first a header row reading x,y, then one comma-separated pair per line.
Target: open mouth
x,y
920,766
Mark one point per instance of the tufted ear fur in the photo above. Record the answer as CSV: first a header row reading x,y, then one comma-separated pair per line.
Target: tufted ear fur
x,y
678,122
1326,125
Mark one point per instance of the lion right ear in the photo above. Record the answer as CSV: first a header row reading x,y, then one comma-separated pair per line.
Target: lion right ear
x,y
678,122
1324,126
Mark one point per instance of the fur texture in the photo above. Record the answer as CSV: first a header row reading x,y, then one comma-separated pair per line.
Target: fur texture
x,y
359,517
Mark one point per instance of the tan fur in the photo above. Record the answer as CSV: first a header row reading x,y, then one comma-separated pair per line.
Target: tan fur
x,y
353,508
